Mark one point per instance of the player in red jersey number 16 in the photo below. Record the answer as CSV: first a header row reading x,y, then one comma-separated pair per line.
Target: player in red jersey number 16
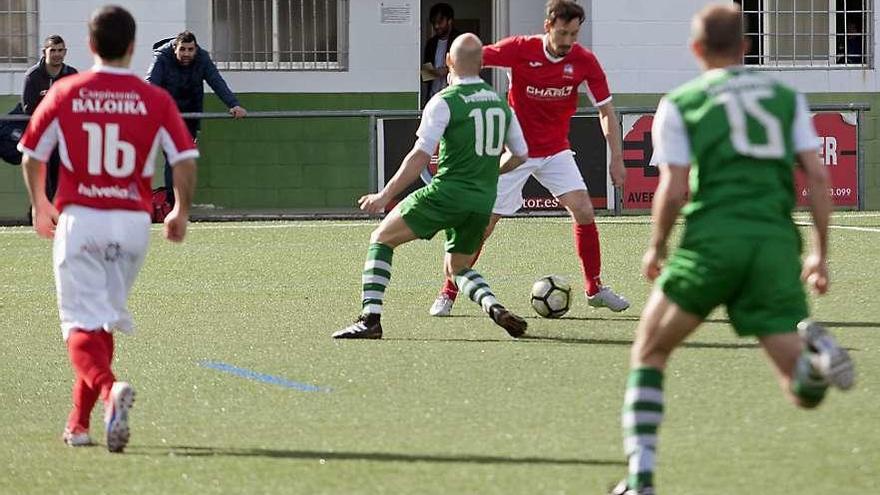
x,y
108,125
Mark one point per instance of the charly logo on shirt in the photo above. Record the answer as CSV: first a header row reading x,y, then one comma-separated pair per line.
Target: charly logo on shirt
x,y
535,64
549,93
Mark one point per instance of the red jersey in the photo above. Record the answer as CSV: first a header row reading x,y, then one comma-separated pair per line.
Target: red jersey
x,y
108,125
544,90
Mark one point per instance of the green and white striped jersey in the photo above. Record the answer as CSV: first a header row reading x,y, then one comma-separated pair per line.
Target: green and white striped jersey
x,y
472,125
739,130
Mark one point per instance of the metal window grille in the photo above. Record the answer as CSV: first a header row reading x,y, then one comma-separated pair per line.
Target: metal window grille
x,y
798,34
310,35
18,34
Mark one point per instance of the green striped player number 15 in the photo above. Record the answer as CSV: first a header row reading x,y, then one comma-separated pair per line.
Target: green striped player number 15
x,y
742,104
490,125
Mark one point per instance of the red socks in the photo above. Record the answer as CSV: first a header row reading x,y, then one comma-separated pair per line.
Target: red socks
x,y
449,287
91,353
84,398
586,243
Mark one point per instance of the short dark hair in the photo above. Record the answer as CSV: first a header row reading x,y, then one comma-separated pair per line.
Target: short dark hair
x,y
566,10
443,10
52,39
111,31
719,28
185,37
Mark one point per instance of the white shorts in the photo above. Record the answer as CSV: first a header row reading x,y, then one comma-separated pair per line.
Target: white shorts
x,y
97,255
558,173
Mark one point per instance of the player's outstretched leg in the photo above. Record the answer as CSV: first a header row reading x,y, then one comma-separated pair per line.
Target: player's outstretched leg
x,y
375,279
475,287
823,357
91,353
586,239
442,306
586,246
76,433
446,299
116,416
641,418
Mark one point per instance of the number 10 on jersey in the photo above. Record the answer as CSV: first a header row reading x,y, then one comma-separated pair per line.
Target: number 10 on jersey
x,y
489,127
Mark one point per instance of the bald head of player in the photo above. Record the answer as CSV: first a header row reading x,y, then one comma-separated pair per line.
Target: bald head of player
x,y
111,36
465,56
717,36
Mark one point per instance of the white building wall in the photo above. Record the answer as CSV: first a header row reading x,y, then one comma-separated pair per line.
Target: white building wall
x,y
641,43
643,46
156,19
526,17
382,57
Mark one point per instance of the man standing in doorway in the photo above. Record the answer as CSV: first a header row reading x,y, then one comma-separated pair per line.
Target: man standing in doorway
x,y
442,18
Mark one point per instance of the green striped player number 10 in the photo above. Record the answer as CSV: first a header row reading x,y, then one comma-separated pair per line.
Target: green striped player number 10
x,y
490,125
743,104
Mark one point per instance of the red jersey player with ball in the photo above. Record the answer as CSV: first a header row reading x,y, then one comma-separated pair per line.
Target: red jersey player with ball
x,y
545,74
108,125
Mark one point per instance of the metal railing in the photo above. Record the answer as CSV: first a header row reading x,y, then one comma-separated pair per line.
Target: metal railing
x,y
372,117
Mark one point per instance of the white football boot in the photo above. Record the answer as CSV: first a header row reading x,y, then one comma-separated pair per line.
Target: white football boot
x,y
116,416
76,438
442,305
606,298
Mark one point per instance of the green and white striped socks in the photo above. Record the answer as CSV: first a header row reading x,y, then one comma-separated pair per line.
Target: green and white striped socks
x,y
642,415
376,276
808,384
472,284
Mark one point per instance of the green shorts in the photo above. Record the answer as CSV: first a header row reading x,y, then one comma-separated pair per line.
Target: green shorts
x,y
758,280
426,214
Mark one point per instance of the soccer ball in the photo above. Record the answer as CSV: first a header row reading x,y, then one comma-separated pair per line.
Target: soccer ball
x,y
551,296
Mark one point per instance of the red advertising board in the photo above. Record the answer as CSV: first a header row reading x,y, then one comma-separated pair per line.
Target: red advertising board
x,y
838,151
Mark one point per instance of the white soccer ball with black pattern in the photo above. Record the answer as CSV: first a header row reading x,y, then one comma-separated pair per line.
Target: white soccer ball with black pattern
x,y
551,296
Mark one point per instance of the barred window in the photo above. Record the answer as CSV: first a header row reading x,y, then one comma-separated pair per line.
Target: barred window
x,y
280,34
798,34
18,33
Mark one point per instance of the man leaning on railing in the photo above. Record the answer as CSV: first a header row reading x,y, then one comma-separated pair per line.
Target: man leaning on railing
x,y
180,66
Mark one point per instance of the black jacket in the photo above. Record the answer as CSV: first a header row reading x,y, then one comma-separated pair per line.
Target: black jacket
x,y
428,55
10,134
184,83
37,81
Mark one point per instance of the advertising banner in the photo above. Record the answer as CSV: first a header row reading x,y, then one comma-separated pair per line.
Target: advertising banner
x,y
838,150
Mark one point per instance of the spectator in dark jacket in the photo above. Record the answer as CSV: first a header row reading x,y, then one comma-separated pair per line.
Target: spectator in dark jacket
x,y
37,81
181,66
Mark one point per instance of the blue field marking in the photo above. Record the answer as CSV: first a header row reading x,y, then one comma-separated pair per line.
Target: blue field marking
x,y
261,377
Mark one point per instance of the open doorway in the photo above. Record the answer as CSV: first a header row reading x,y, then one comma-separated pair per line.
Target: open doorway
x,y
469,16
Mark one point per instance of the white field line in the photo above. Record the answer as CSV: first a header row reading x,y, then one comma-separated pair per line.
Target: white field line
x,y
842,227
318,224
